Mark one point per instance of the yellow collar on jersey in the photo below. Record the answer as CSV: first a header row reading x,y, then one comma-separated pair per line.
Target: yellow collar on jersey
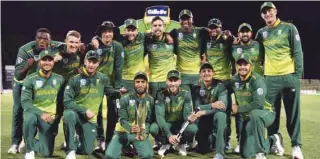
x,y
42,74
85,72
276,23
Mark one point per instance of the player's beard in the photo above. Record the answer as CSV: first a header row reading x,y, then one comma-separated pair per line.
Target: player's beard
x,y
245,40
243,72
140,91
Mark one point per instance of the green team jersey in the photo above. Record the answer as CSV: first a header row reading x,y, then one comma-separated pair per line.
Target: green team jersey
x,y
133,57
218,53
283,52
250,94
188,48
111,57
129,104
172,108
85,92
39,94
161,59
204,96
254,51
26,52
69,63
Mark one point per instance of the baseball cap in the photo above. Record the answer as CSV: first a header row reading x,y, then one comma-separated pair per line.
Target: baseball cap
x,y
130,22
267,4
45,53
244,25
106,25
244,57
185,12
215,21
206,65
173,74
140,75
92,54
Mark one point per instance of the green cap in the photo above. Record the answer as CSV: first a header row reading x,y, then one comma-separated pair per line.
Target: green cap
x,y
185,12
140,75
244,57
215,21
173,73
267,4
130,22
45,53
92,54
244,25
206,65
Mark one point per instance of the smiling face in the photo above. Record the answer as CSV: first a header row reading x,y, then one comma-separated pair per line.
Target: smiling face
x,y
46,64
243,68
43,40
173,84
91,65
73,44
206,74
269,15
245,35
107,36
140,85
186,22
214,30
157,28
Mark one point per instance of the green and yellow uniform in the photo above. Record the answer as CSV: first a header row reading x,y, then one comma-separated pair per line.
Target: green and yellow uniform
x,y
214,121
283,66
189,49
161,60
27,51
84,92
38,96
123,136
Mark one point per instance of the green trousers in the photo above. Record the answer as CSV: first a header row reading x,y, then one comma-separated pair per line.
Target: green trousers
x,y
74,122
286,87
154,87
187,81
128,84
47,134
210,126
252,139
174,127
17,114
121,139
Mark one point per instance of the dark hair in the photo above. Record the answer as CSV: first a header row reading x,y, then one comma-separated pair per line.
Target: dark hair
x,y
45,30
74,33
156,18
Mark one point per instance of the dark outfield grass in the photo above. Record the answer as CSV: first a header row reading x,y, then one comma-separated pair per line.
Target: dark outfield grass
x,y
310,127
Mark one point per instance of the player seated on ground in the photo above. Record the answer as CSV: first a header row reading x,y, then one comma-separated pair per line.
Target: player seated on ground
x,y
257,113
173,107
134,120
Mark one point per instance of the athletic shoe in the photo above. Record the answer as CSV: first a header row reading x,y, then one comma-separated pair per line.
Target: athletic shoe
x,y
163,149
156,145
260,156
71,155
101,145
296,152
29,155
13,149
228,146
22,146
63,146
237,149
279,144
182,149
218,156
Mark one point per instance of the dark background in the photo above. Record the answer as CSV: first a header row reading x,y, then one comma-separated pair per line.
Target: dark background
x,y
20,20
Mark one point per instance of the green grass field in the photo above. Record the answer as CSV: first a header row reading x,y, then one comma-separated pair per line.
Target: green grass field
x,y
310,124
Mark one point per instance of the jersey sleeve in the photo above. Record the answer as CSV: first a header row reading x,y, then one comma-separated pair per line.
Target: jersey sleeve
x,y
187,106
223,95
26,98
203,36
21,64
174,36
109,90
296,49
160,115
118,64
123,114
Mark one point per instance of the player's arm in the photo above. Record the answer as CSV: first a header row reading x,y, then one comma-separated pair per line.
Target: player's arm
x,y
109,90
69,95
203,36
258,96
123,114
168,39
24,62
296,49
26,98
259,37
95,42
187,106
60,107
174,36
150,116
160,116
197,100
118,64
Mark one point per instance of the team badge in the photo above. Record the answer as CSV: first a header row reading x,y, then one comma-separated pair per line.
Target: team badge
x,y
67,87
23,88
194,35
237,84
265,34
132,102
202,92
167,100
97,81
19,60
260,91
54,82
99,51
157,102
83,82
253,50
180,35
208,45
239,50
65,60
36,57
247,85
279,32
154,47
297,37
39,84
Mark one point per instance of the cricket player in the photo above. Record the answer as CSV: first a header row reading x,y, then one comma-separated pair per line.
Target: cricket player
x,y
218,52
210,95
38,99
173,107
26,63
160,56
257,113
188,48
283,66
82,99
133,124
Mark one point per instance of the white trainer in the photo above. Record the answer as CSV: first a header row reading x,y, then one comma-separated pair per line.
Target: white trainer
x,y
22,146
218,156
29,155
237,149
228,146
296,152
183,149
13,149
71,155
101,145
163,149
279,144
260,156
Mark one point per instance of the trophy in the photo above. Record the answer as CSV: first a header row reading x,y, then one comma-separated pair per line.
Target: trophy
x,y
141,117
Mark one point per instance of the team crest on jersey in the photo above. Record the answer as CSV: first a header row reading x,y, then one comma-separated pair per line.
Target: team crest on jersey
x,y
99,51
208,45
279,32
237,84
54,82
157,102
97,81
239,50
132,102
154,46
180,35
260,91
265,34
167,100
202,92
252,50
65,60
36,57
39,83
83,82
194,35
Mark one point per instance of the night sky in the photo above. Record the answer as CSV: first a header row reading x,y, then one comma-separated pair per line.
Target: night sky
x,y
20,20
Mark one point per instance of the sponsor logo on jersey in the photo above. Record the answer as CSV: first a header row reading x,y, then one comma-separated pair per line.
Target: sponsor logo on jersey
x,y
83,82
237,84
260,91
19,60
65,60
265,34
208,45
54,82
154,46
279,32
97,81
180,35
202,92
39,83
167,100
157,11
194,35
99,51
239,50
